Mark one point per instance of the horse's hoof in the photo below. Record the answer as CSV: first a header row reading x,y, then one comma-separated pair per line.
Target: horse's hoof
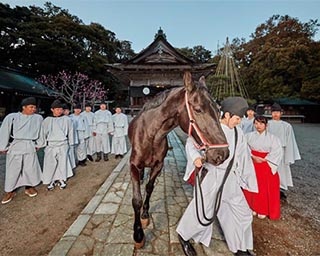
x,y
145,223
141,244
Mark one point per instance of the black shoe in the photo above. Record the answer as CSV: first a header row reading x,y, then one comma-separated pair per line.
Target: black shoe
x,y
243,253
90,158
283,195
82,163
98,157
187,247
120,156
105,157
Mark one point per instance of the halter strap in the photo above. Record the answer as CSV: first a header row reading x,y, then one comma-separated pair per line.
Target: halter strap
x,y
193,125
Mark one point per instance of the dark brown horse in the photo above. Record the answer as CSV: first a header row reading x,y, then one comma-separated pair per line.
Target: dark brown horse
x,y
190,107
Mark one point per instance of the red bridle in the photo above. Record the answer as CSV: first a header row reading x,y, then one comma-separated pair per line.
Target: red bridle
x,y
192,124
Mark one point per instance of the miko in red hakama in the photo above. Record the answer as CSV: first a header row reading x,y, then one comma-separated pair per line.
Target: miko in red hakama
x,y
267,200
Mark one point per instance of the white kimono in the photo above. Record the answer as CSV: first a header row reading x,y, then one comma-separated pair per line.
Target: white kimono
x,y
119,145
234,215
247,125
83,132
72,151
90,142
266,142
284,131
103,126
22,164
57,135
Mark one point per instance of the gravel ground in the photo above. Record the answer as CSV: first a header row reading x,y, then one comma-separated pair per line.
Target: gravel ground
x,y
305,195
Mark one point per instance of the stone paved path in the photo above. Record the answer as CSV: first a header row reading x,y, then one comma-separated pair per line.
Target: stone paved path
x,y
105,225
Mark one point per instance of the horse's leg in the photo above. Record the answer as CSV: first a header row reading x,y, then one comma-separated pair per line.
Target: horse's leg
x,y
159,155
138,234
149,189
141,175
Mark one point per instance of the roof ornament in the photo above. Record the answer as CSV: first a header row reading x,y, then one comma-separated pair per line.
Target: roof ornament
x,y
160,50
160,33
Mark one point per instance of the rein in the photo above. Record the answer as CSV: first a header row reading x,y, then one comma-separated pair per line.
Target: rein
x,y
219,193
193,125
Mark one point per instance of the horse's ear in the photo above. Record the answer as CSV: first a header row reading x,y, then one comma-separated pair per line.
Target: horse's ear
x,y
202,81
188,83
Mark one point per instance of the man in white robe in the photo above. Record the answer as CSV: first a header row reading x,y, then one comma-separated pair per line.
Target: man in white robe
x,y
120,122
71,151
56,136
234,215
22,164
90,142
82,130
284,131
102,128
247,123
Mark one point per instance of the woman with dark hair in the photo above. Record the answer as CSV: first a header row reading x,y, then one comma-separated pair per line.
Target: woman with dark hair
x,y
266,154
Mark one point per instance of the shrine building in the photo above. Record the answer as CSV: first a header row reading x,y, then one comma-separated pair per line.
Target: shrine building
x,y
156,68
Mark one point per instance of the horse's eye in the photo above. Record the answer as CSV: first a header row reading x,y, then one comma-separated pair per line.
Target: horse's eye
x,y
197,109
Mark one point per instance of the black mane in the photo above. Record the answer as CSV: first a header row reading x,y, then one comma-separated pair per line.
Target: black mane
x,y
157,101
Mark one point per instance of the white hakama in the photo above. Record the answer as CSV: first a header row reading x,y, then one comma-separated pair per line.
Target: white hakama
x,y
22,164
103,126
119,145
83,132
284,132
57,135
90,142
234,215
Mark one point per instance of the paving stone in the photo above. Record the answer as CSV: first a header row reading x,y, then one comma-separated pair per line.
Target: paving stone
x,y
107,208
83,246
117,250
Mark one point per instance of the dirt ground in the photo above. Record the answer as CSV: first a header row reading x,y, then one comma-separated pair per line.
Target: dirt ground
x,y
32,226
298,230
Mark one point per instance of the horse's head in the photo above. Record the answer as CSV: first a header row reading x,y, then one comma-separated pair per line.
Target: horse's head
x,y
201,116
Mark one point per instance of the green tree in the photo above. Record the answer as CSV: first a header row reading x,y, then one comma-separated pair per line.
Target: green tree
x,y
197,53
276,62
42,41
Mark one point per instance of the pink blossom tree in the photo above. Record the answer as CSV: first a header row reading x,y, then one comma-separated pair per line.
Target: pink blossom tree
x,y
74,88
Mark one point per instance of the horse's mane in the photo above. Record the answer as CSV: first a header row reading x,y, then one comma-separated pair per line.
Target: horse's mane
x,y
156,101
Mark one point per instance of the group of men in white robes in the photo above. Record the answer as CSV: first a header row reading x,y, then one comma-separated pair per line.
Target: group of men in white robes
x,y
67,139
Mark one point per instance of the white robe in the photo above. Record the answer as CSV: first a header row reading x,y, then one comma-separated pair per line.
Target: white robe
x,y
269,143
83,132
103,126
119,145
234,215
284,131
57,135
90,142
22,164
72,151
247,125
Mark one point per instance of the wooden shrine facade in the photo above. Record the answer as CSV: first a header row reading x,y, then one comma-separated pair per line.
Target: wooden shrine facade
x,y
156,68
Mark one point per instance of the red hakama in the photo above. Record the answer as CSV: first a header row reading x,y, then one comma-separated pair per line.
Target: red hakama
x,y
267,200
